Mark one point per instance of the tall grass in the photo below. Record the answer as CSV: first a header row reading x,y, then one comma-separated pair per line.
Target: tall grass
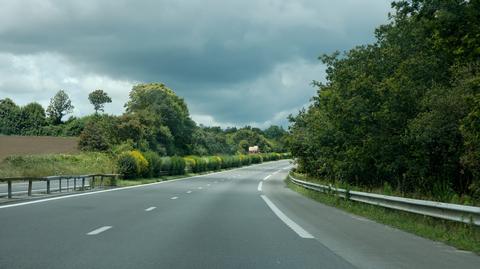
x,y
56,164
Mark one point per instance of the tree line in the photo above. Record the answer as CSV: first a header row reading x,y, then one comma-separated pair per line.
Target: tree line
x,y
403,111
156,119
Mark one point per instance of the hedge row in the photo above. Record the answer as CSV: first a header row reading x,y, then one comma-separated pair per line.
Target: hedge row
x,y
135,164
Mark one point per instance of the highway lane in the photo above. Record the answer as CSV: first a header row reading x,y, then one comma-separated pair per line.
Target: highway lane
x,y
219,220
222,223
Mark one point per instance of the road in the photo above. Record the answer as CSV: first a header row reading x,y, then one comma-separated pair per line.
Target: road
x,y
243,218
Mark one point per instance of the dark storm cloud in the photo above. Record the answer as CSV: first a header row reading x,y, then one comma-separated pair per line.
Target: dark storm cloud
x,y
216,54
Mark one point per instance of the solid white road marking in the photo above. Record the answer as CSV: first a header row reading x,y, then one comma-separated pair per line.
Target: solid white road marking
x,y
99,230
290,223
267,177
189,191
150,208
259,188
174,198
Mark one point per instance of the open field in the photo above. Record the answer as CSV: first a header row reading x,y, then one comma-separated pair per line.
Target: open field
x,y
30,145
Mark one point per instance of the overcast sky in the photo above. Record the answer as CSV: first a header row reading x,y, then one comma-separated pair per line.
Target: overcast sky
x,y
234,62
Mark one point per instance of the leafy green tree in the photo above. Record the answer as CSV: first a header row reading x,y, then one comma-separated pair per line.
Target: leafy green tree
x,y
399,111
32,119
165,116
98,99
9,117
60,105
94,138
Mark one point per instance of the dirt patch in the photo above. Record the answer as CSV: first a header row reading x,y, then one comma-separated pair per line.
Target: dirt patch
x,y
29,145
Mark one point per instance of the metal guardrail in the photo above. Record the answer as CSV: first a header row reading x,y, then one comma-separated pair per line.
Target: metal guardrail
x,y
79,182
447,211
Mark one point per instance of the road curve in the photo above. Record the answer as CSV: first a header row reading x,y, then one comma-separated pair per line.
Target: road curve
x,y
222,220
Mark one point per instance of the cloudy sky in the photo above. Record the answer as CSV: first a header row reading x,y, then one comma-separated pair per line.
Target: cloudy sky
x,y
234,62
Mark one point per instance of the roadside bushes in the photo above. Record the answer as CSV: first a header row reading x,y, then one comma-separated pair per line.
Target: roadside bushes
x,y
154,164
134,164
199,165
177,166
173,165
127,166
214,163
256,158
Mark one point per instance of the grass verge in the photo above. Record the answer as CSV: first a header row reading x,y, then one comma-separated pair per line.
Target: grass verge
x,y
460,235
56,164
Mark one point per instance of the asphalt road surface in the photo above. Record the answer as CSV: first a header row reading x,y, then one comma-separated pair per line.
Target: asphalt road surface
x,y
243,218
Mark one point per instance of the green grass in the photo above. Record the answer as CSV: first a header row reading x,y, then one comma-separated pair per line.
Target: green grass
x,y
388,190
56,164
460,235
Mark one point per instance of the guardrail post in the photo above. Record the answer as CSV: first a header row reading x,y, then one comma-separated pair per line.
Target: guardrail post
x,y
92,182
60,184
83,183
113,181
68,184
48,186
30,183
9,189
74,183
101,181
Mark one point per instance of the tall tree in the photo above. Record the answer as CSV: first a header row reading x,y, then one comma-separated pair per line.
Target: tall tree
x,y
60,105
32,119
400,111
166,116
9,117
98,99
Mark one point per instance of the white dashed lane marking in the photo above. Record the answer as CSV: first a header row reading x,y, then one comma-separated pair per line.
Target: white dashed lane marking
x,y
189,191
99,230
150,208
174,198
259,188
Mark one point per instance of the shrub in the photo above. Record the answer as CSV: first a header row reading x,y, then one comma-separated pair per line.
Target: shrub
x,y
236,161
93,138
227,161
127,166
190,164
178,166
166,165
213,163
154,164
200,164
255,158
245,159
142,163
